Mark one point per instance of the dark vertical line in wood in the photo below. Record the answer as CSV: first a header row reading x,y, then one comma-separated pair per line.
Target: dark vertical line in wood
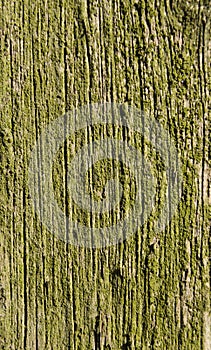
x,y
101,50
39,155
65,55
36,110
45,286
36,312
201,242
25,270
112,64
89,54
65,123
181,312
14,181
145,267
203,96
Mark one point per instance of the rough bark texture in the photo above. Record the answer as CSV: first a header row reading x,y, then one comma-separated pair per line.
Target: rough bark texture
x,y
147,292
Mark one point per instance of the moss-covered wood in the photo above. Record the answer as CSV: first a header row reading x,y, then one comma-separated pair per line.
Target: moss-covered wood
x,y
147,292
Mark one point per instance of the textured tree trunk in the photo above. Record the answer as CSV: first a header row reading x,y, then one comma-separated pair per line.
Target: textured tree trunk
x,y
149,291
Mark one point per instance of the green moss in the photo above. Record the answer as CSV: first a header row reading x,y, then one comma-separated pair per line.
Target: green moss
x,y
147,292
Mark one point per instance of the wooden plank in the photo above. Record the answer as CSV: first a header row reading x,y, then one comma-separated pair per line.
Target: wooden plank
x,y
150,291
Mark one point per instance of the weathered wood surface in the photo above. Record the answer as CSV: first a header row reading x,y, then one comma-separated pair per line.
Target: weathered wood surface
x,y
142,293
